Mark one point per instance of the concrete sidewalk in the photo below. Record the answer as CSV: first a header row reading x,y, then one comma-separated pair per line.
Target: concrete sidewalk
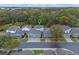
x,y
33,40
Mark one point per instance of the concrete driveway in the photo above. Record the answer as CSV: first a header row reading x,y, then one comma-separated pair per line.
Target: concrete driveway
x,y
67,37
33,40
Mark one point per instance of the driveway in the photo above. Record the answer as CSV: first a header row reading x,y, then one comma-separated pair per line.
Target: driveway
x,y
67,37
33,40
47,40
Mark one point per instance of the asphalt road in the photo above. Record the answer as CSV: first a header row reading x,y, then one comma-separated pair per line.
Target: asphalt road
x,y
71,46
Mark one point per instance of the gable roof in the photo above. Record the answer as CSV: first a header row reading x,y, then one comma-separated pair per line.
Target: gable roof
x,y
64,27
26,28
13,28
47,30
75,30
38,26
34,31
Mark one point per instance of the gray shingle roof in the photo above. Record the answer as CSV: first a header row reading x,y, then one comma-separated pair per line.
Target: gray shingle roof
x,y
34,31
13,28
64,27
46,30
47,33
26,28
75,32
38,26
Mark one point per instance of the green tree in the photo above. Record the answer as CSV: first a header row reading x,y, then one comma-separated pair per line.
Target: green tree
x,y
64,20
11,44
57,33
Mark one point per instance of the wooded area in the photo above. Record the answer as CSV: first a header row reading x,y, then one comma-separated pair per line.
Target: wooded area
x,y
39,16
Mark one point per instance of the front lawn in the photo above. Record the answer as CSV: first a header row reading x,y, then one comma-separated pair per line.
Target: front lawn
x,y
42,39
63,40
58,39
74,39
24,39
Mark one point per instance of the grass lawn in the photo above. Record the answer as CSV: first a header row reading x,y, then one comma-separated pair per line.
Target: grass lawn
x,y
4,27
74,39
38,52
63,40
42,39
25,39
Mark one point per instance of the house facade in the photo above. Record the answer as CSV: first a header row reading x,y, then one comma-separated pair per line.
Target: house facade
x,y
34,33
12,29
26,28
66,29
47,33
39,27
15,31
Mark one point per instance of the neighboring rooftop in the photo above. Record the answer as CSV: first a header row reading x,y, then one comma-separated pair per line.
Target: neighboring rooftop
x,y
13,28
75,30
39,27
64,27
35,31
26,28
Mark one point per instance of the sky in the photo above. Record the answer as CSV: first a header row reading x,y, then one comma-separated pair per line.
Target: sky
x,y
39,5
39,1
